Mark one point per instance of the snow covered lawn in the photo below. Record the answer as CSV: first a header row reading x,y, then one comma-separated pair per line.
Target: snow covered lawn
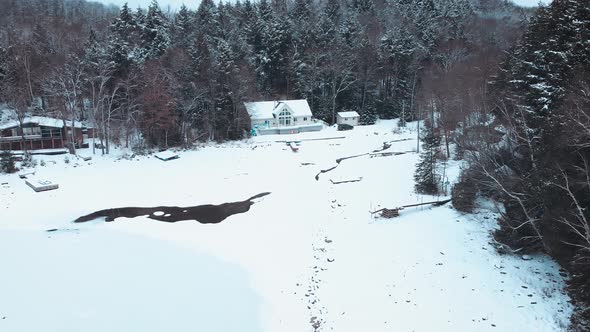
x,y
307,257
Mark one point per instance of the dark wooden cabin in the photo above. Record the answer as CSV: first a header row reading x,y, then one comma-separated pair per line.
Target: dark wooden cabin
x,y
40,133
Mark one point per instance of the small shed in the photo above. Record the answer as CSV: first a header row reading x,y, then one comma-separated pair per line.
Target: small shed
x,y
349,118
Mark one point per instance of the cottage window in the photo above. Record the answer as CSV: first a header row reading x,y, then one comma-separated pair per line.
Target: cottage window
x,y
285,118
27,131
47,132
304,119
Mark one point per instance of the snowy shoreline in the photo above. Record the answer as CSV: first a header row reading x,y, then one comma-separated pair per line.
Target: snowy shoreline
x,y
308,257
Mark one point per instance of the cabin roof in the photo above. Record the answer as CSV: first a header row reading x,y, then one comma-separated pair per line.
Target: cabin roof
x,y
265,110
41,121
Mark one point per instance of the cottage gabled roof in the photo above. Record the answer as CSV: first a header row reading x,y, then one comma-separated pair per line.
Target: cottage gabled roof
x,y
41,121
266,110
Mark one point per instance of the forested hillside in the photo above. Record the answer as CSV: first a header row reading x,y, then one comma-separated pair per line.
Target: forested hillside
x,y
503,87
534,157
144,75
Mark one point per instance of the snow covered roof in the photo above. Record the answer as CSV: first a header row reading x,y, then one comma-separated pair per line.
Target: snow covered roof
x,y
41,121
166,155
350,114
264,110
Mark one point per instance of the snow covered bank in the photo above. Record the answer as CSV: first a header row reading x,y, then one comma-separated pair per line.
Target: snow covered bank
x,y
308,257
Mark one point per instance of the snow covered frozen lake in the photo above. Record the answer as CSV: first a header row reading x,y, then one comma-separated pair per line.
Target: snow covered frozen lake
x,y
307,257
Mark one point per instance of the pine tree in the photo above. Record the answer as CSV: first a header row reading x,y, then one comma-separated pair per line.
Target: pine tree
x,y
207,20
425,174
351,30
122,32
125,23
93,51
363,5
3,65
270,38
332,11
155,33
225,99
368,116
303,21
329,24
183,26
396,53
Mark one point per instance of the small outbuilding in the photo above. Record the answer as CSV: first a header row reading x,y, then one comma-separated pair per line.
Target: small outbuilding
x,y
350,118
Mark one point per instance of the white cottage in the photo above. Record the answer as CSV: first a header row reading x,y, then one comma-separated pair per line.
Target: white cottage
x,y
282,117
349,118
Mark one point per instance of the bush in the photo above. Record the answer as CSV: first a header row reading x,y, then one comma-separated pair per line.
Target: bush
x,y
28,161
7,162
463,193
344,126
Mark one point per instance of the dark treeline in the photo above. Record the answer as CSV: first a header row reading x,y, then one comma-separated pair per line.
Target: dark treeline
x,y
533,155
160,78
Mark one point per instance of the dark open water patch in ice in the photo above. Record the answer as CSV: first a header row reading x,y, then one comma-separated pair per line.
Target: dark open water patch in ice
x,y
205,214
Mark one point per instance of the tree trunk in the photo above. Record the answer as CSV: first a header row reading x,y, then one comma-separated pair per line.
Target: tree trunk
x,y
447,142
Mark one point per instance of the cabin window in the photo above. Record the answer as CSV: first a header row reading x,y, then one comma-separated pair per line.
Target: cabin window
x,y
27,131
284,118
48,132
304,119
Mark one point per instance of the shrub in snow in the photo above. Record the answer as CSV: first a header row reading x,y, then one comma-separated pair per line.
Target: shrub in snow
x,y
139,149
464,193
66,159
7,162
28,161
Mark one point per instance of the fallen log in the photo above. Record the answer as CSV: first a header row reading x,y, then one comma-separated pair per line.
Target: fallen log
x,y
346,181
434,203
338,161
400,140
388,154
391,213
383,148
